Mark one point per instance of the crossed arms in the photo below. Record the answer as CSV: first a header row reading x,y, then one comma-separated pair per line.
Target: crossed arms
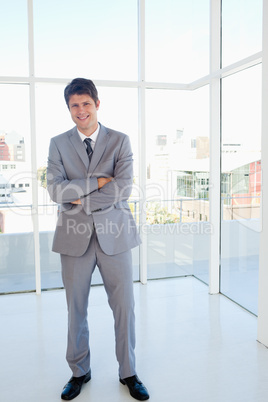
x,y
101,182
95,192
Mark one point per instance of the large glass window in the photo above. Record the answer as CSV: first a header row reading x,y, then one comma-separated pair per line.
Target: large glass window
x,y
94,39
16,231
241,186
99,40
177,40
241,29
177,134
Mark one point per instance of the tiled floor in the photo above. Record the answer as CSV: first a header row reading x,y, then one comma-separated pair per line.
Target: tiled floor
x,y
191,347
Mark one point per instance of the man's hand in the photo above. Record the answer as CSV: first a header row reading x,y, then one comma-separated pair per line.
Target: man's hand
x,y
76,202
104,180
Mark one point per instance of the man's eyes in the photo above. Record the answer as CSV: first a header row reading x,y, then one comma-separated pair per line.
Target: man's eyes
x,y
84,104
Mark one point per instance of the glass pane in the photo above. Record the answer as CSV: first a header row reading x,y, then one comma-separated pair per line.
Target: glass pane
x,y
178,183
14,38
95,39
60,121
177,40
241,186
241,29
16,237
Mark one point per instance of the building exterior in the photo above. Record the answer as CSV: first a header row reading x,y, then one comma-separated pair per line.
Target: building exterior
x,y
180,166
14,169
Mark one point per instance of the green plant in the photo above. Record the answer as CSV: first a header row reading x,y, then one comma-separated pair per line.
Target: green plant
x,y
156,214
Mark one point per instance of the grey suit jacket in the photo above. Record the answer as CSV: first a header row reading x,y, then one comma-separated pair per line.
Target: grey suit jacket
x,y
71,177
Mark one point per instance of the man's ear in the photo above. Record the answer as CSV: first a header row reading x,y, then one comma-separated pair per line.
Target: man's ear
x,y
98,104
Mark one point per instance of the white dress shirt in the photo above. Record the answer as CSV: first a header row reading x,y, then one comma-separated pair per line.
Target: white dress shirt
x,y
93,137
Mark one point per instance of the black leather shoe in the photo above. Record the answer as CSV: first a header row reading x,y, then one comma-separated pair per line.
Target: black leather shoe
x,y
136,388
73,386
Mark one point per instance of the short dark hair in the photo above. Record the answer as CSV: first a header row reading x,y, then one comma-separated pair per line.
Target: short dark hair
x,y
81,86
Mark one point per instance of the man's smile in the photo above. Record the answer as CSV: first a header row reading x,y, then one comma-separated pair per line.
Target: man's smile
x,y
82,118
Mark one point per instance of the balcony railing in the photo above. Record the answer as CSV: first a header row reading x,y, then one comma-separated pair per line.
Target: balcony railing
x,y
13,217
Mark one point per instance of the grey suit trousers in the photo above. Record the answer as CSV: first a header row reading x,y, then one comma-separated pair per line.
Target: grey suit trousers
x,y
116,272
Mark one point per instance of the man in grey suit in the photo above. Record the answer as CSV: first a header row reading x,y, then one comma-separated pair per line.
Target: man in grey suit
x,y
90,174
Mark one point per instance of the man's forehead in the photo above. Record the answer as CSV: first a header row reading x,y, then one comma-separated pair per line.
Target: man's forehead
x,y
79,98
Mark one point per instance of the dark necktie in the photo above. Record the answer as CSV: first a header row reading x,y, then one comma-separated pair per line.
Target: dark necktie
x,y
89,148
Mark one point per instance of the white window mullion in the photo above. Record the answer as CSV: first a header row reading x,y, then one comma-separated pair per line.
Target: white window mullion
x,y
215,147
142,140
34,151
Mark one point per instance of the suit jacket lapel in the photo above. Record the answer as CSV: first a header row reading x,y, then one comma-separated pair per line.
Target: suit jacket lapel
x,y
102,140
79,147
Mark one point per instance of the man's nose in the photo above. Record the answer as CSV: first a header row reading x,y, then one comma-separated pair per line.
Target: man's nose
x,y
81,109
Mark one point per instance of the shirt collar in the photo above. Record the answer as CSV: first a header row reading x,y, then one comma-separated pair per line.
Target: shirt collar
x,y
93,136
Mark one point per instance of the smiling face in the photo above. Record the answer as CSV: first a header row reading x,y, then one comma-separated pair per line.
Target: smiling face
x,y
83,111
